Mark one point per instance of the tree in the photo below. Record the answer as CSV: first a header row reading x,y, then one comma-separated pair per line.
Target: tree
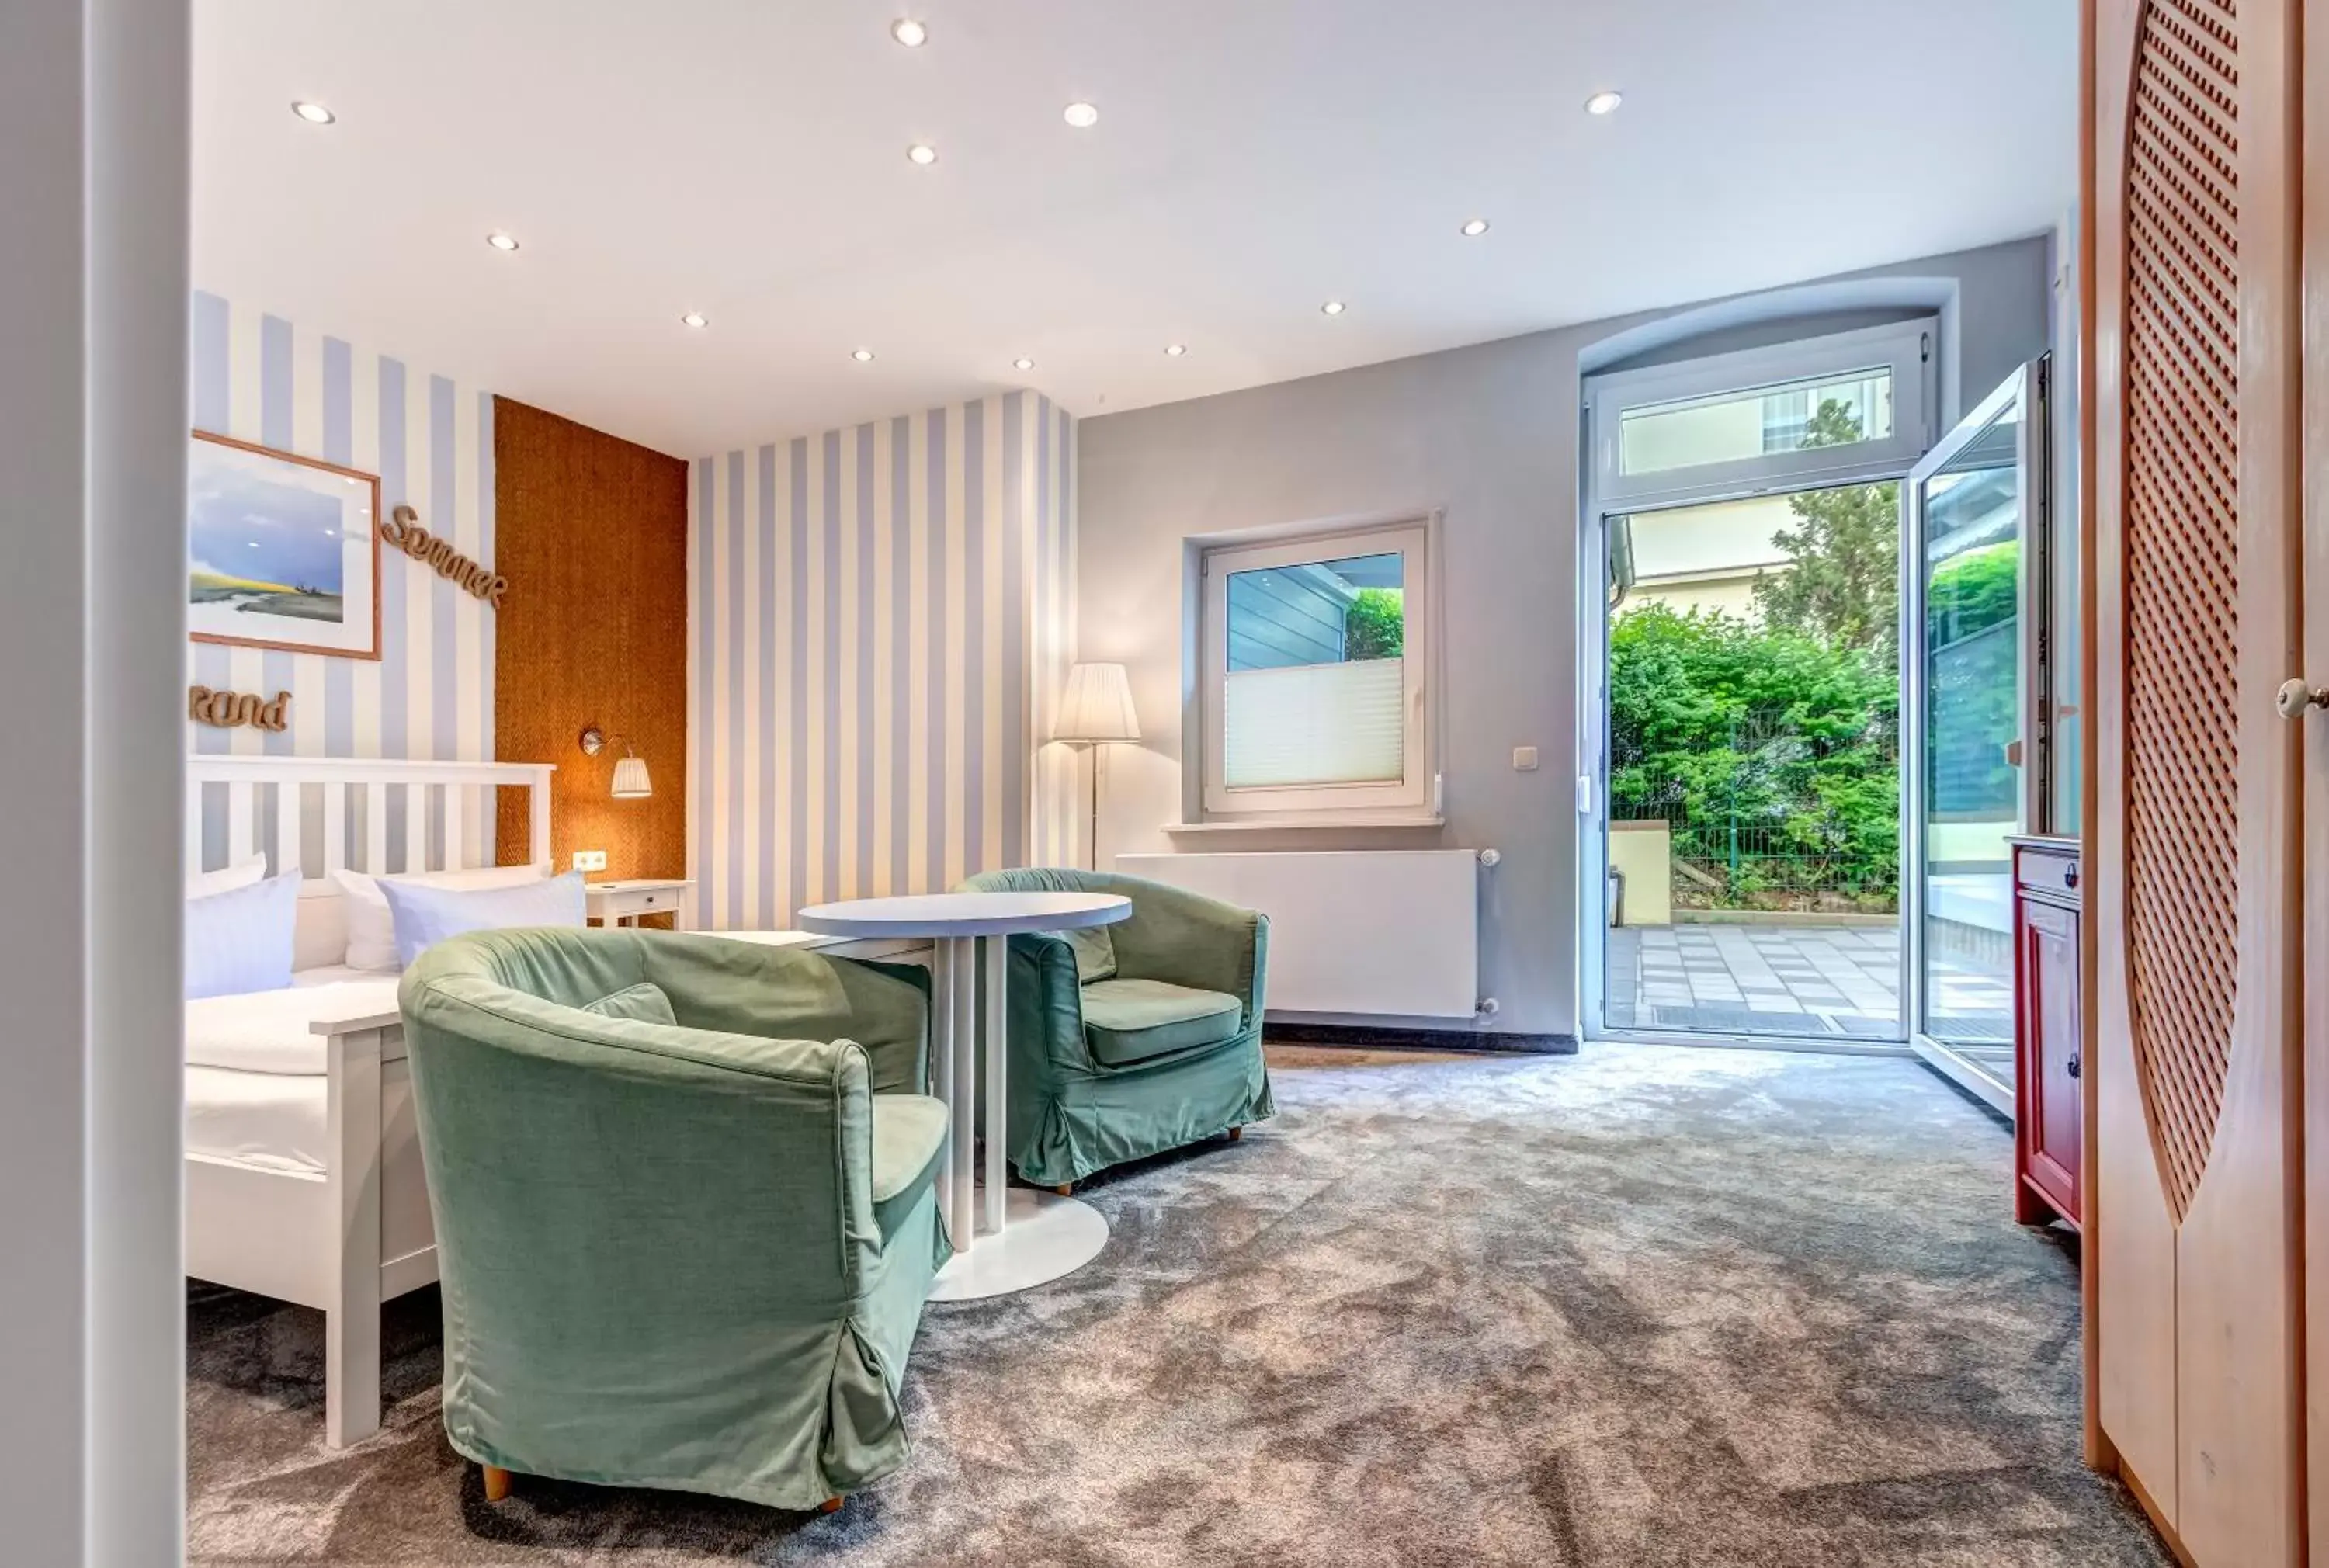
x,y
1843,585
1375,624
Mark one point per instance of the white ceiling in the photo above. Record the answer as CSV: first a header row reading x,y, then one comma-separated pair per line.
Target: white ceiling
x,y
1253,158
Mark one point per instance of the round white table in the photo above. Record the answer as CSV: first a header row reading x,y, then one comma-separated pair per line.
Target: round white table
x,y
1027,1237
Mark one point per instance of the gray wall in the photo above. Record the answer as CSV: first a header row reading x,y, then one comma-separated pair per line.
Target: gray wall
x,y
93,180
1490,434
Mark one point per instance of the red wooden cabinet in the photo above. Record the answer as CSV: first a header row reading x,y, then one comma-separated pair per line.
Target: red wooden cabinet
x,y
2050,1116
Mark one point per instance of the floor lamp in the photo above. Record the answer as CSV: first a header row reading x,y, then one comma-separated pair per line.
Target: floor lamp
x,y
1096,709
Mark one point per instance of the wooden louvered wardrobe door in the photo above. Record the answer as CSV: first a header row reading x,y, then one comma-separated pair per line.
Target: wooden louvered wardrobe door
x,y
2312,745
2192,212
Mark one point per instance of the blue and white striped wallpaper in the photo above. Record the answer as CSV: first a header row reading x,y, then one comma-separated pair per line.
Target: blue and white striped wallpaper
x,y
881,619
430,695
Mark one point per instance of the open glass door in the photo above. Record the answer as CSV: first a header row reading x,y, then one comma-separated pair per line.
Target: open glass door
x,y
1973,632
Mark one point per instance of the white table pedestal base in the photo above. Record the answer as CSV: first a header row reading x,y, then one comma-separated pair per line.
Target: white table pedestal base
x,y
1004,1238
1044,1237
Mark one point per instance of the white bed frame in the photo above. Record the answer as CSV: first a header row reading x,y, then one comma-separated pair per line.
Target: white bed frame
x,y
358,1233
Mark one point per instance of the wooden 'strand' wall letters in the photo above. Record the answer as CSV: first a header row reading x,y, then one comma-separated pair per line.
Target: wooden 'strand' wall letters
x,y
227,710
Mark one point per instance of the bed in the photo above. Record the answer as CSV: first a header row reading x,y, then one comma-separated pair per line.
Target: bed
x,y
303,1166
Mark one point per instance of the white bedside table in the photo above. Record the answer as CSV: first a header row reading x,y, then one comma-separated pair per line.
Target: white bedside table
x,y
622,903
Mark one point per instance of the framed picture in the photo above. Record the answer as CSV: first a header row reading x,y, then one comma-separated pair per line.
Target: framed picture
x,y
283,552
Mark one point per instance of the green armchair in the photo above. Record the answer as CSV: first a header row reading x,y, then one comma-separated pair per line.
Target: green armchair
x,y
683,1191
1132,1038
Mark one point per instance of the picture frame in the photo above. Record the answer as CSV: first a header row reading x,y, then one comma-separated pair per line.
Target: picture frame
x,y
313,587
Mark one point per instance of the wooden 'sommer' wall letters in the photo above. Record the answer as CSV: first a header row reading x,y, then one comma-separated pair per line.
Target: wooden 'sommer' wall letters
x,y
227,710
402,529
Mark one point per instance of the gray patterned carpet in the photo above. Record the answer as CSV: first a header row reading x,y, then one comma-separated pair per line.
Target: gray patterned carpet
x,y
1636,1309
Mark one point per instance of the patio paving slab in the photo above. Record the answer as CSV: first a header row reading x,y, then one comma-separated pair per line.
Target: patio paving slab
x,y
1817,981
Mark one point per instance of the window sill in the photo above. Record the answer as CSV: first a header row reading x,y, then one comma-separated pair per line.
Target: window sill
x,y
1322,825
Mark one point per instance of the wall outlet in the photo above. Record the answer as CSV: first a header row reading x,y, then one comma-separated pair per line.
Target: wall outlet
x,y
590,859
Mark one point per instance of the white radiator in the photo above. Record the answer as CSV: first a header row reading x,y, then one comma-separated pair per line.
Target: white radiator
x,y
1393,932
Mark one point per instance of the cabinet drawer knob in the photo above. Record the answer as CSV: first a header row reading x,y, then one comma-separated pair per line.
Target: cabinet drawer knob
x,y
2074,1066
2070,876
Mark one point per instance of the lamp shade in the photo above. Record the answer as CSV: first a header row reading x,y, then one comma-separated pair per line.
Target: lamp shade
x,y
631,779
1097,705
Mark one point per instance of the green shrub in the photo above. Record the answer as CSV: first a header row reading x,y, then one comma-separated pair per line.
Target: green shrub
x,y
1974,592
1741,734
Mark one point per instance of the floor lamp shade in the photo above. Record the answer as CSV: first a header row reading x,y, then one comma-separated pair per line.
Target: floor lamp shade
x,y
1097,705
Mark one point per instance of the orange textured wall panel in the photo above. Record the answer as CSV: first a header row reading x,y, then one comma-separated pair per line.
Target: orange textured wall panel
x,y
592,533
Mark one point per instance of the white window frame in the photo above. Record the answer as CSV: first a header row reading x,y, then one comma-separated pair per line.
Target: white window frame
x,y
1908,349
1412,537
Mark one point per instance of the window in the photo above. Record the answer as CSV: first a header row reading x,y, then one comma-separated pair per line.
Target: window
x,y
1315,655
1786,418
1824,411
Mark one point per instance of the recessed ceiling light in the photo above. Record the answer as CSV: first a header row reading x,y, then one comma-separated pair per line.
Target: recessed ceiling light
x,y
861,356
922,152
695,318
1333,307
1022,364
1475,228
1604,103
315,114
1176,350
909,33
501,241
1083,116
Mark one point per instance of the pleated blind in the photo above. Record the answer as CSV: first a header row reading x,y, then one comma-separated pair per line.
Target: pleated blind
x,y
1316,723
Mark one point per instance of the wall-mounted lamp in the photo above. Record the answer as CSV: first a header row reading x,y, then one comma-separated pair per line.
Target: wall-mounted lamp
x,y
630,770
1096,709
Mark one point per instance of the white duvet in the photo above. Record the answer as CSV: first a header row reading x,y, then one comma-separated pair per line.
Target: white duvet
x,y
254,1089
271,1031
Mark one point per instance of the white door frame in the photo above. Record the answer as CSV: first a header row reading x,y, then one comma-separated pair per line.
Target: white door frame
x,y
1605,397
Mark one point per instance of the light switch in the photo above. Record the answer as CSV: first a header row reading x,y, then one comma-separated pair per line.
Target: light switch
x,y
1524,759
590,859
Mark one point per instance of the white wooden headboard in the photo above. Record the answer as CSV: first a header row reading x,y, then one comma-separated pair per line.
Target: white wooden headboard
x,y
324,813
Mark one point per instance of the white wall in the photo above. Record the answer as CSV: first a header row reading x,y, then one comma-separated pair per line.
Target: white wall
x,y
879,623
1489,433
93,180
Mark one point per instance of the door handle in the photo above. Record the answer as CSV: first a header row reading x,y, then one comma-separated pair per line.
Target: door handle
x,y
2074,1066
2297,695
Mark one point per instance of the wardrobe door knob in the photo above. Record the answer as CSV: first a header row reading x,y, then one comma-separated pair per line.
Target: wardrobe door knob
x,y
2297,695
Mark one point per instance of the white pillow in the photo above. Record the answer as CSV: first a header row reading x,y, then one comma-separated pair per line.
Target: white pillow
x,y
240,940
227,878
426,916
372,933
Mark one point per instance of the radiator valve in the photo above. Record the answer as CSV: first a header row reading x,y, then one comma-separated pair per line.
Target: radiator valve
x,y
1490,1007
1491,857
